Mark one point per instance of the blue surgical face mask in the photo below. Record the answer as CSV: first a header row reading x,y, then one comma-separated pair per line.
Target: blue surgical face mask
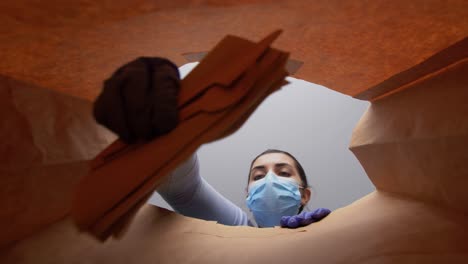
x,y
271,198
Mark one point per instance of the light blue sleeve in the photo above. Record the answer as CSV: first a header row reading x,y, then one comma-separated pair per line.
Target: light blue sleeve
x,y
190,195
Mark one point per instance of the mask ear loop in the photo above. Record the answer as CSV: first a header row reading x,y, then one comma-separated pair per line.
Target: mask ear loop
x,y
301,208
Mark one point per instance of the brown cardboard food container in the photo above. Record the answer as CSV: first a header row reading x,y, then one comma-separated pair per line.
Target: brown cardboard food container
x,y
408,59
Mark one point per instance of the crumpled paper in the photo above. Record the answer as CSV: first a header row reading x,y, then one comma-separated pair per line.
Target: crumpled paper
x,y
48,137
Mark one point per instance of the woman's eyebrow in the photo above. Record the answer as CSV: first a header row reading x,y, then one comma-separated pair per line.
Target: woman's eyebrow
x,y
279,165
260,167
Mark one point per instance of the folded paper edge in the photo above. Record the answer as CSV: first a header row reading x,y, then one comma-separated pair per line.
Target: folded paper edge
x,y
440,60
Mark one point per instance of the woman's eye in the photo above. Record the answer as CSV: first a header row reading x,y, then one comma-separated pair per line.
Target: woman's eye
x,y
285,174
257,177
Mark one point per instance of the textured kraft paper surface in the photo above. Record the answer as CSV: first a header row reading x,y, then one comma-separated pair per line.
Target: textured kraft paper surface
x,y
348,46
415,142
411,143
363,232
47,139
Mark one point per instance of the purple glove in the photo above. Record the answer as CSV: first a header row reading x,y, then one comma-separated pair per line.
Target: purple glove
x,y
304,218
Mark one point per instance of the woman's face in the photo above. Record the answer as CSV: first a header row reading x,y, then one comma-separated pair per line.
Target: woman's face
x,y
283,166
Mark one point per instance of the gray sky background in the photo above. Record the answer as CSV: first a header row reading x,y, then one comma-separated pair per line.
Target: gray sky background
x,y
311,122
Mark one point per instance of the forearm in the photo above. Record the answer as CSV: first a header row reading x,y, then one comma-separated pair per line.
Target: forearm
x,y
189,194
181,184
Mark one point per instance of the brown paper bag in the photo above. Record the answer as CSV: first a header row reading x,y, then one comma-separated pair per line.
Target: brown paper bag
x,y
48,138
350,47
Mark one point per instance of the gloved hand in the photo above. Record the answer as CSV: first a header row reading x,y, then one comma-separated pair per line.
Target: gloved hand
x,y
139,101
304,218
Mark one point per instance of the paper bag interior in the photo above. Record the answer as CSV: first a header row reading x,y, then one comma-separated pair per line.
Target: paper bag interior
x,y
409,59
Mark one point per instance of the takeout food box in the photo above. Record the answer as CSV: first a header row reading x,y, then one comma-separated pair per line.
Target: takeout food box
x,y
408,59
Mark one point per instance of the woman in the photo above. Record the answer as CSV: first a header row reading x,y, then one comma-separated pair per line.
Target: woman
x,y
277,191
139,102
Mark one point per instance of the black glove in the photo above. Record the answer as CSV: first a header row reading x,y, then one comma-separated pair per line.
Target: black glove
x,y
139,101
